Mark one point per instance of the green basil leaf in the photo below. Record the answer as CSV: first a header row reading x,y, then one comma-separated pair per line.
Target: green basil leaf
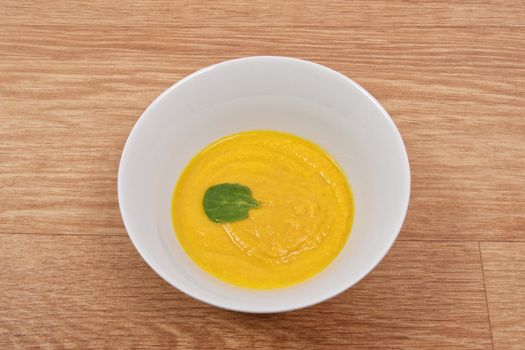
x,y
228,202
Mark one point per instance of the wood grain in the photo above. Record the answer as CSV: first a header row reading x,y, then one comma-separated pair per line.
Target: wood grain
x,y
95,291
76,76
504,270
268,13
72,94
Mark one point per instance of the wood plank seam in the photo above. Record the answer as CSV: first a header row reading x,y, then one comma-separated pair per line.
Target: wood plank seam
x,y
486,295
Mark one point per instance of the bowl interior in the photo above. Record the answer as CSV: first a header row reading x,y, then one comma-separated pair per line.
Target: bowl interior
x,y
264,93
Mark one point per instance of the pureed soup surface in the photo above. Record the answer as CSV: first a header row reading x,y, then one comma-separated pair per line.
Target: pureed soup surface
x,y
302,222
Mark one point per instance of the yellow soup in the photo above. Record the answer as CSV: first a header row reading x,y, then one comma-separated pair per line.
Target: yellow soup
x,y
302,222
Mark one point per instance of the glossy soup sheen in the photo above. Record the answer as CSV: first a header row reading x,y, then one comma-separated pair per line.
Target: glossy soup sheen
x,y
304,218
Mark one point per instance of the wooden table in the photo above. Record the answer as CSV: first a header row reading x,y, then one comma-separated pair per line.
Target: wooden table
x,y
75,76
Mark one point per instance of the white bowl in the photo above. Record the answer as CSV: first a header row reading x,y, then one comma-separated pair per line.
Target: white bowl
x,y
271,93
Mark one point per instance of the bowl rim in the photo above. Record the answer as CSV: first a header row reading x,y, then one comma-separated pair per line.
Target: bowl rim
x,y
344,285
